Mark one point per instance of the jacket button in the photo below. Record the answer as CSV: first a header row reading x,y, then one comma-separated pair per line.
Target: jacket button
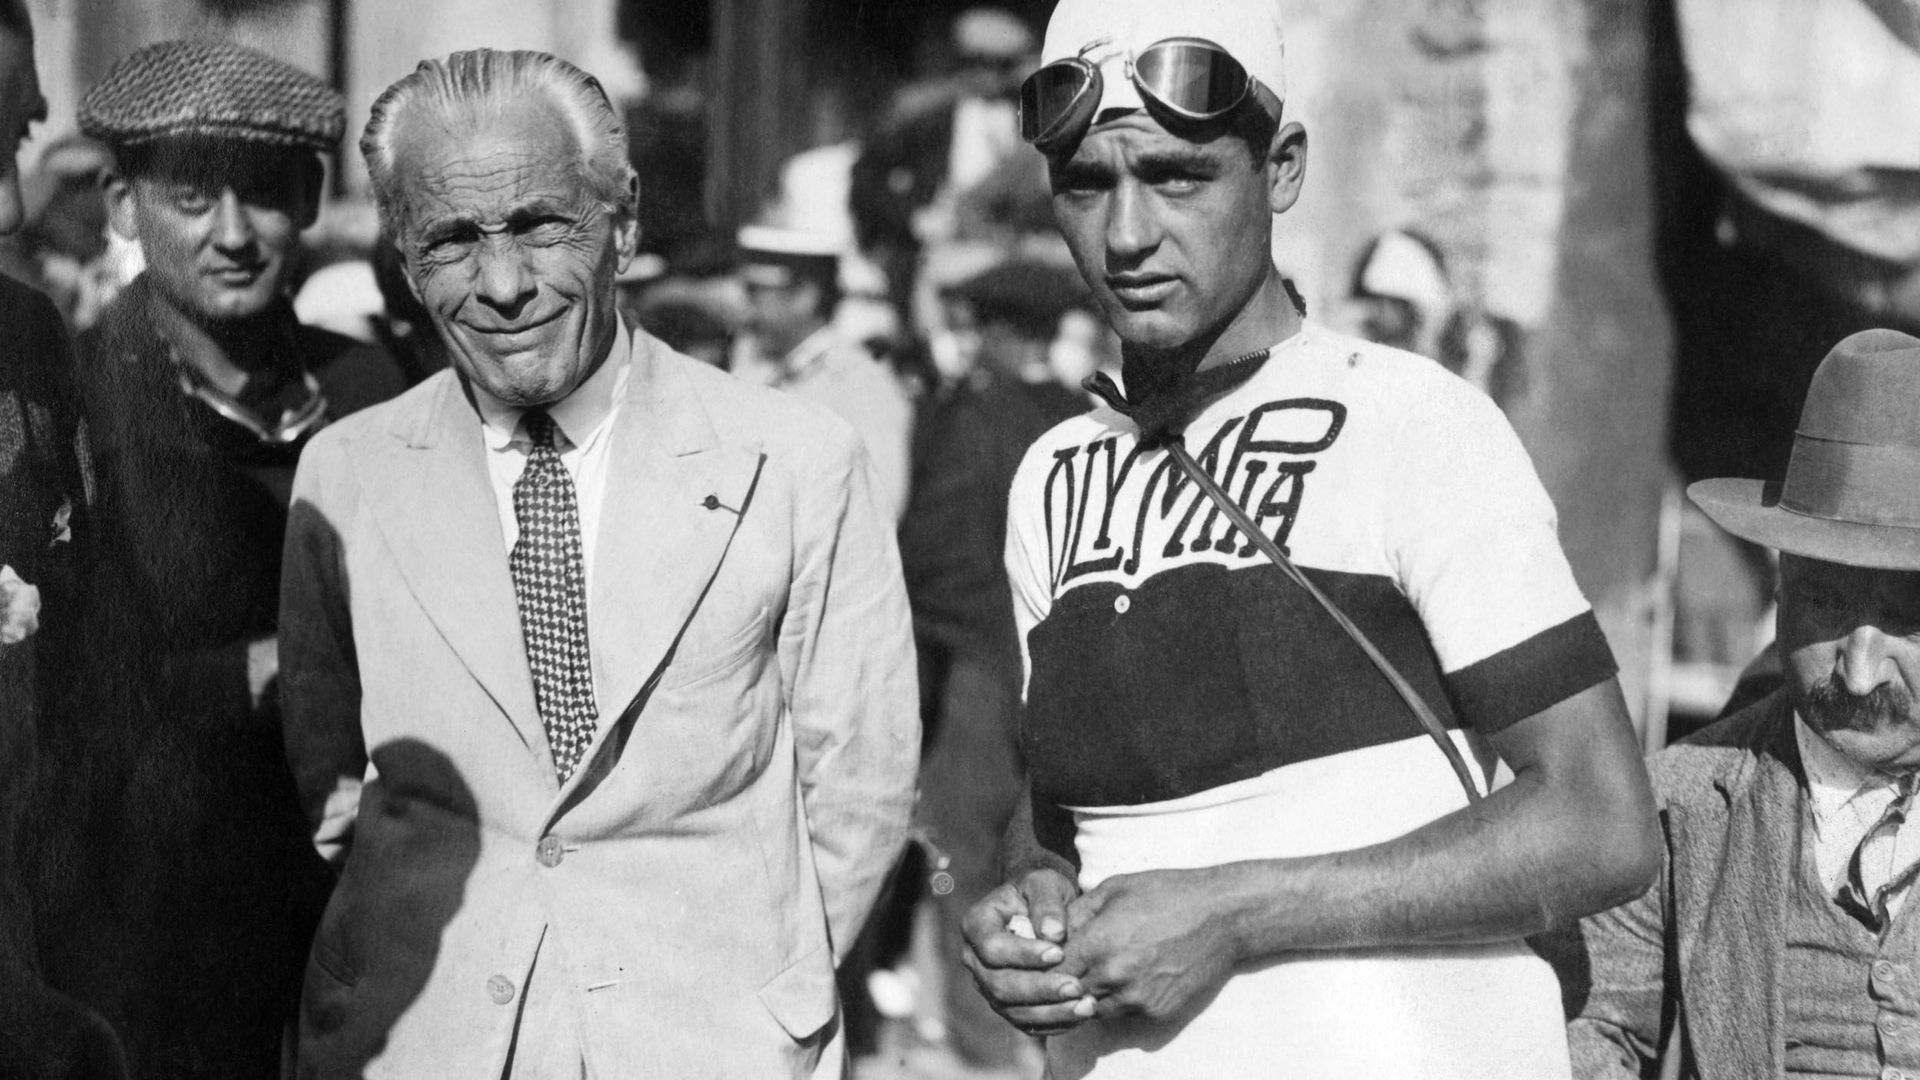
x,y
549,851
1122,603
500,989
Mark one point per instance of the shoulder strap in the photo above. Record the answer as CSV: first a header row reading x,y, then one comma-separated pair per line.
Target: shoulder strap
x,y
1239,517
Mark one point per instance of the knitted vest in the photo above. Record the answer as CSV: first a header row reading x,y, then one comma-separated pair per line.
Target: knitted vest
x,y
1852,1000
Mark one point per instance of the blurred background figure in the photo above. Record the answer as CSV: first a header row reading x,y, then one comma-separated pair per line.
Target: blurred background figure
x,y
342,297
1402,296
1084,345
667,130
946,322
64,244
403,329
697,313
42,498
1005,321
689,327
792,283
944,135
39,476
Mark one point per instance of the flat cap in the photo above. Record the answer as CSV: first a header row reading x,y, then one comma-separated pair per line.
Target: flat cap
x,y
211,89
1030,294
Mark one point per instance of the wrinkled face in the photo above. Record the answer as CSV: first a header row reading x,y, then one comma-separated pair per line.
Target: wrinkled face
x,y
20,106
512,253
1850,639
1172,235
218,222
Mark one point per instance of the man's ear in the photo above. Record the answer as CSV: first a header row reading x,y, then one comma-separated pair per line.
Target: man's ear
x,y
406,270
120,209
626,226
1286,166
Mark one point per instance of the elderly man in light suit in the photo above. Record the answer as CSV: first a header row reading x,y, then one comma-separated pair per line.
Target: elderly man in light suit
x,y
597,661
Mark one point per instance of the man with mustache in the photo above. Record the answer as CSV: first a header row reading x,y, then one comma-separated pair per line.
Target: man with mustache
x,y
1777,941
174,887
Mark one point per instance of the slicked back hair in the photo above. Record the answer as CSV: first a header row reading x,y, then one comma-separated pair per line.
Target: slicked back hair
x,y
470,88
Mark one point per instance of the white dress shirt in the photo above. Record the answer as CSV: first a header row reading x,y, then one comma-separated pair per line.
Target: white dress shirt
x,y
583,431
1847,799
549,1045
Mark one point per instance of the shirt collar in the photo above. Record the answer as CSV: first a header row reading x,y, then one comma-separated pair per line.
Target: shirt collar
x,y
576,416
804,357
1833,779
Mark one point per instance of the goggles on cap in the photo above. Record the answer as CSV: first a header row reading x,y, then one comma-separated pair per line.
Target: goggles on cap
x,y
1191,78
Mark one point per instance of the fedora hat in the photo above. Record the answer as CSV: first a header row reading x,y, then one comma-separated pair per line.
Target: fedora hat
x,y
1852,491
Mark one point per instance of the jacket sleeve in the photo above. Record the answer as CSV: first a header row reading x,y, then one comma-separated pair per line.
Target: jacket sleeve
x,y
1627,1013
319,674
846,656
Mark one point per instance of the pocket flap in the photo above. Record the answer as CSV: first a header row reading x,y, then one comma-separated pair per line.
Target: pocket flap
x,y
802,997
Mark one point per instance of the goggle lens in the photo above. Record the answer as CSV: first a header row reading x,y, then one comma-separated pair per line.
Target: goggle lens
x,y
1049,95
1193,78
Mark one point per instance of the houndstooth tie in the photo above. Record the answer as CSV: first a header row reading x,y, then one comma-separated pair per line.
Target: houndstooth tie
x,y
1870,905
549,578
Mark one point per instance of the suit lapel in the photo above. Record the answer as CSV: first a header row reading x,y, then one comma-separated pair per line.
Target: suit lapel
x,y
672,504
437,511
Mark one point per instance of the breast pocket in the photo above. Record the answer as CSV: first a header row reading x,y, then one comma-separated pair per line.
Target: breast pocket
x,y
702,659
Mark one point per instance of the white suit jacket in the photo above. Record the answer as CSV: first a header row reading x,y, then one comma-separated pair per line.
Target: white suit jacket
x,y
718,845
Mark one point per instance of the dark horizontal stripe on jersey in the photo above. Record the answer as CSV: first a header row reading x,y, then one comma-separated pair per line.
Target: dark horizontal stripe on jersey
x,y
1546,669
1214,675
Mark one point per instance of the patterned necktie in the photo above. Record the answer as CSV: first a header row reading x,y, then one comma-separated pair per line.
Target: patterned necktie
x,y
1876,850
550,580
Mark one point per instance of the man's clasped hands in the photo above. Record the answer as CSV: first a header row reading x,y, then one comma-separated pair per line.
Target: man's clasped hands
x,y
1050,957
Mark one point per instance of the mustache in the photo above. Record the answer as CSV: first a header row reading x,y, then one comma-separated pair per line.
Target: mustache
x,y
1832,707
